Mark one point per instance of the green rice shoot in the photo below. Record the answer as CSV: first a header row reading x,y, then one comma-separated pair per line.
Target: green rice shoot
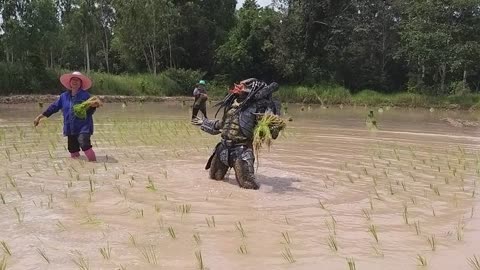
x,y
80,110
263,131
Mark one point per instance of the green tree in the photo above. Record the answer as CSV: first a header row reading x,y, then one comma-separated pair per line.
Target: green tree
x,y
249,46
42,29
145,29
203,27
439,37
106,20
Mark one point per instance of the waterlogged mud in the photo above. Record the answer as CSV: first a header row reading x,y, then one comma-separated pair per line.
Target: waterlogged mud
x,y
331,192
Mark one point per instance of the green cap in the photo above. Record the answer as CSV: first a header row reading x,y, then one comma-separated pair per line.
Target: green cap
x,y
202,82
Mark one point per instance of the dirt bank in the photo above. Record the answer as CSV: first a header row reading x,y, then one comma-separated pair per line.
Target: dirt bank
x,y
18,99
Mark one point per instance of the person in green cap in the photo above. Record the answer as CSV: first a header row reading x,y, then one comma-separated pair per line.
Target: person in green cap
x,y
200,104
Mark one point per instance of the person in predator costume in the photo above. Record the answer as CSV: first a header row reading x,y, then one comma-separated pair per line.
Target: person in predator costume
x,y
243,106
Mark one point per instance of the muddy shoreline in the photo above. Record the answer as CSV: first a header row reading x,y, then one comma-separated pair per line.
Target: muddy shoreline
x,y
21,99
25,99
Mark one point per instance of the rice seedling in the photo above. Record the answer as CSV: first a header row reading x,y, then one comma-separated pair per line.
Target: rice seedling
x,y
92,185
422,261
413,200
447,180
151,185
474,262
196,237
60,226
3,263
184,208
157,208
390,189
331,225
433,212
404,186
332,243
377,251
243,249
149,254
350,178
472,212
373,230
20,214
80,110
5,248
171,232
12,181
200,263
132,239
288,256
321,204
417,227
286,238
19,193
2,198
405,214
460,227
351,264
262,134
239,227
366,214
81,262
91,220
43,254
139,213
374,178
106,252
432,242
8,155
211,221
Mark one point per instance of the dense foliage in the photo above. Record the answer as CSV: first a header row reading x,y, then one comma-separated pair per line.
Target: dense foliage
x,y
429,47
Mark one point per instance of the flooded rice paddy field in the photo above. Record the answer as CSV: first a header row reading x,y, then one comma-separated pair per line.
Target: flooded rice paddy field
x,y
333,194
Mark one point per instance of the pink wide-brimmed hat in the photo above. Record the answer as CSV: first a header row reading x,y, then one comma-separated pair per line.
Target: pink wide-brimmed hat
x,y
86,82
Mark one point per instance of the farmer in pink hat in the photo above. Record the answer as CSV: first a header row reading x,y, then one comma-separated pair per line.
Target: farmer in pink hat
x,y
76,129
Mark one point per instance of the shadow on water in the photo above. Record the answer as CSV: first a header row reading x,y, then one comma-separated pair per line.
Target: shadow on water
x,y
271,184
102,159
278,184
106,159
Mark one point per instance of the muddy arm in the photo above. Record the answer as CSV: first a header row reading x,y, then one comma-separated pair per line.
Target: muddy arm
x,y
211,127
275,132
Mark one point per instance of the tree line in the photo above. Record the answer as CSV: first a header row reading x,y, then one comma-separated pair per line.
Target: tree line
x,y
430,47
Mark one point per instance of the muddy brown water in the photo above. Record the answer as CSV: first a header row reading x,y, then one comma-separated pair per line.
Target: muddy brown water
x,y
330,191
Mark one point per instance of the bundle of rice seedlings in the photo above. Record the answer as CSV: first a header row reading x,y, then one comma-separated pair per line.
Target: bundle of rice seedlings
x,y
262,133
80,110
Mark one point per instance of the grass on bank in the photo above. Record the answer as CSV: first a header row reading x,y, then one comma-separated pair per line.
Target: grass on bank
x,y
15,79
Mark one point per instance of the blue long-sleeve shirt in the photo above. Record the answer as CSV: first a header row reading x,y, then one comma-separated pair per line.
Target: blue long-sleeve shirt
x,y
72,125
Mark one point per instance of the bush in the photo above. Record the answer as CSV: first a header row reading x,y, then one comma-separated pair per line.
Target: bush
x,y
27,78
131,85
186,79
459,88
